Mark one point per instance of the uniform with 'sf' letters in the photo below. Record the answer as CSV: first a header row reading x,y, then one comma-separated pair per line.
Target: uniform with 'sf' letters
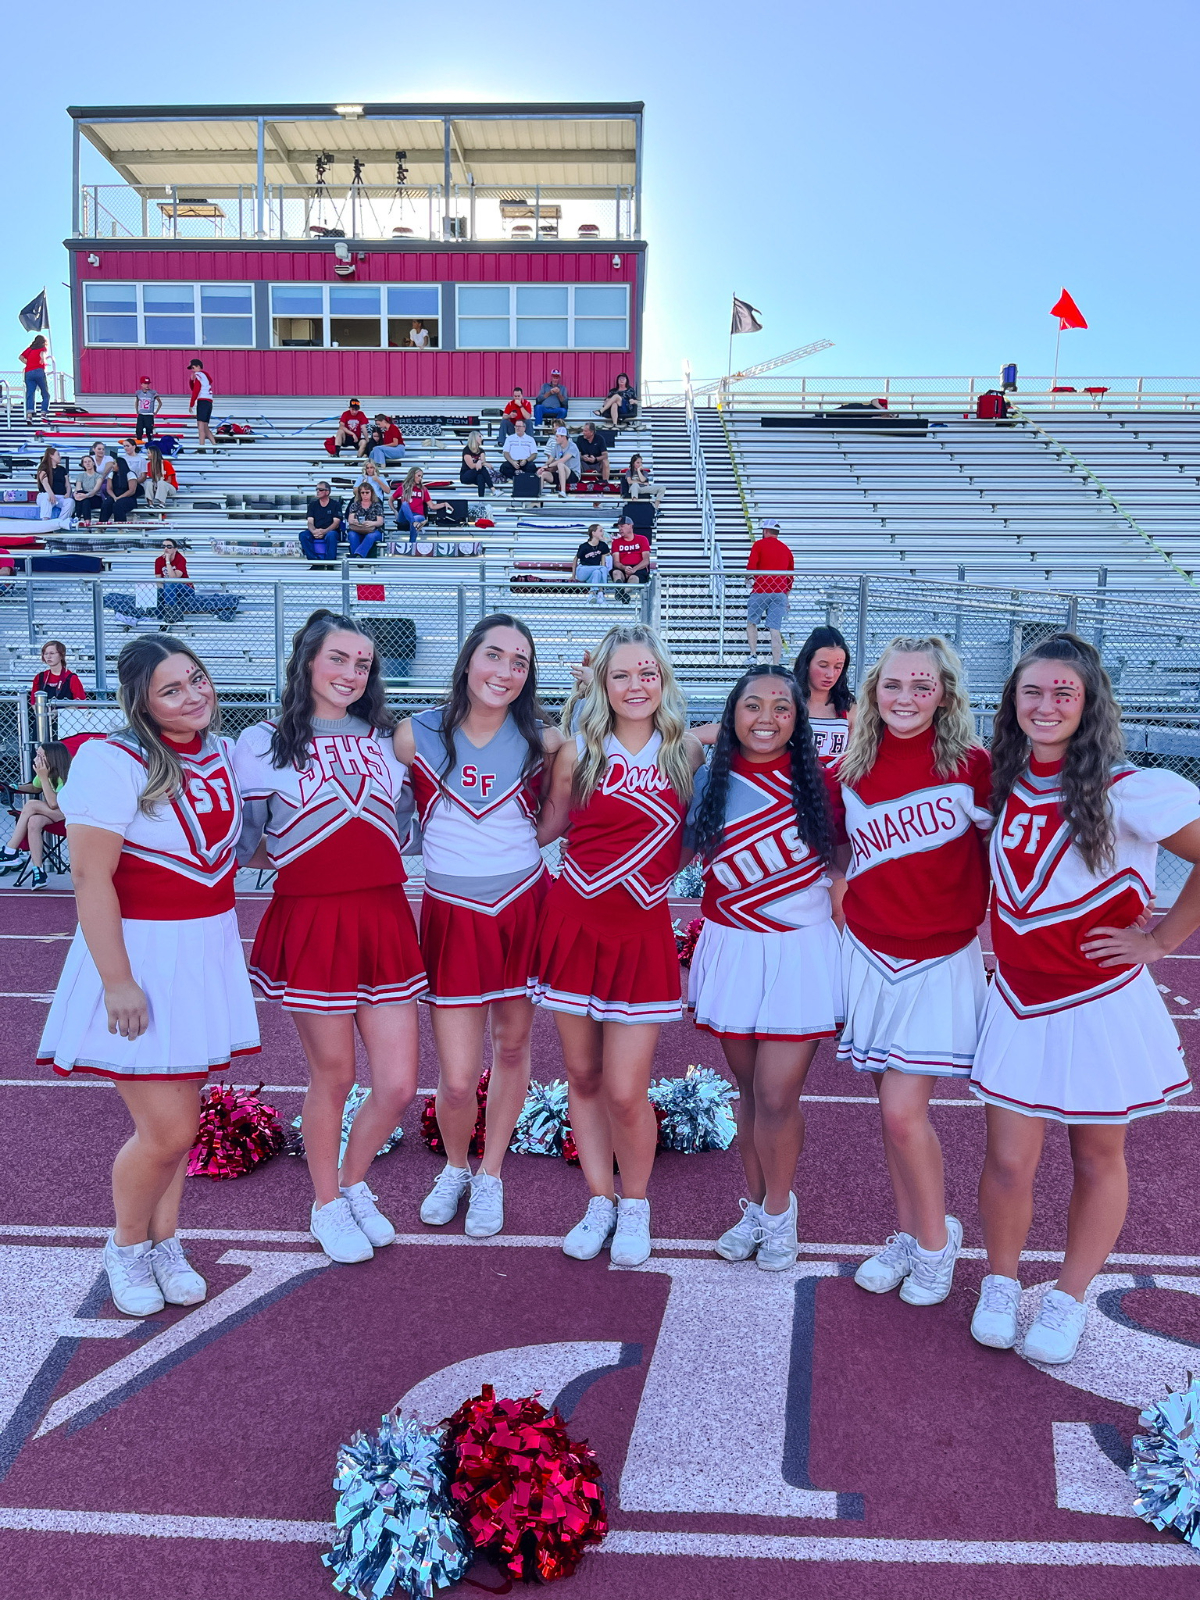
x,y
338,932
917,892
605,946
174,886
1064,1037
484,875
767,964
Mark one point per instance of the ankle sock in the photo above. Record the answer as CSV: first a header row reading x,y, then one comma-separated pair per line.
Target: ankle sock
x,y
770,1216
932,1255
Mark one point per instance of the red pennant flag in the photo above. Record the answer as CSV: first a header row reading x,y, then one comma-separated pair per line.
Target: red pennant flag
x,y
1067,312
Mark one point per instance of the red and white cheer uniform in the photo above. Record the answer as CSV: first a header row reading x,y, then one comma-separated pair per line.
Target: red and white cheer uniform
x,y
605,946
174,885
831,735
1062,1036
338,932
484,875
767,964
917,892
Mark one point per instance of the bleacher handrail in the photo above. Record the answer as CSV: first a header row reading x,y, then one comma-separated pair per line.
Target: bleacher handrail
x,y
940,394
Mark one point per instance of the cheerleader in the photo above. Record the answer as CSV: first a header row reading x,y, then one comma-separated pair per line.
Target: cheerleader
x,y
154,992
1075,1030
823,672
337,945
476,766
916,786
605,959
766,973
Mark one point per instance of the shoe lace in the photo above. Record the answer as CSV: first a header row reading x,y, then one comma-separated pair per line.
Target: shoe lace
x,y
597,1212
894,1249
631,1220
1056,1313
446,1179
995,1296
138,1270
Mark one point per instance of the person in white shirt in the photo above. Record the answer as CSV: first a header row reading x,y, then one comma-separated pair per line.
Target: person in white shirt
x,y
418,335
520,453
562,461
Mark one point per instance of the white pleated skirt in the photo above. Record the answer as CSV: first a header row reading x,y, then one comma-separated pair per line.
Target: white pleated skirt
x,y
749,985
912,1016
1108,1060
202,1016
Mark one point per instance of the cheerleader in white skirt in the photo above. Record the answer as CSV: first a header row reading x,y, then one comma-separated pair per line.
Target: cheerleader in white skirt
x,y
1075,1030
154,992
766,973
916,787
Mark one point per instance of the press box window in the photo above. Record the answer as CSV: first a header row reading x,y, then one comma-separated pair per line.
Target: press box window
x,y
226,314
354,317
111,313
544,316
406,305
169,314
298,315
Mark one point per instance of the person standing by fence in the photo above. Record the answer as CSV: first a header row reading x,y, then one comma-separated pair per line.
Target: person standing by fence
x,y
771,561
33,359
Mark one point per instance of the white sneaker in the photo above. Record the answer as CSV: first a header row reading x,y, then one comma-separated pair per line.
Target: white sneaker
x,y
741,1241
777,1244
995,1320
1054,1337
929,1282
368,1216
589,1236
631,1241
335,1230
131,1279
440,1205
887,1268
179,1281
485,1209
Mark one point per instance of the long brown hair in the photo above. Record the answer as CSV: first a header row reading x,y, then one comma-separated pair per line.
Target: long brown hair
x,y
525,710
136,666
1095,747
294,724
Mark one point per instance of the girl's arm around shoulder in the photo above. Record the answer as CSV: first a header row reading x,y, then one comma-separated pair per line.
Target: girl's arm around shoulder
x,y
556,808
552,741
695,750
403,743
706,732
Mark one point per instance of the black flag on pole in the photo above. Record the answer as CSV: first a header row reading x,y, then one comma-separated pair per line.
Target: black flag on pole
x,y
36,315
745,317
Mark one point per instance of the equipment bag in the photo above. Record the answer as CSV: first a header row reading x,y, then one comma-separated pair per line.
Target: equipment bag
x,y
526,486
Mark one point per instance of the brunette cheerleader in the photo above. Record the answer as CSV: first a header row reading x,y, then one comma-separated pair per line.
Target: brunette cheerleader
x,y
822,670
766,974
337,944
1075,1030
154,992
476,767
916,786
605,958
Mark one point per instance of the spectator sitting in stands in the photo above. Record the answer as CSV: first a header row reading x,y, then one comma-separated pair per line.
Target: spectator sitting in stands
x,y
174,590
138,458
474,467
364,522
123,489
635,482
520,453
51,763
414,504
319,541
562,461
55,680
147,403
631,555
418,335
352,424
88,498
372,475
593,452
160,480
54,499
552,399
105,462
621,405
383,441
517,410
592,562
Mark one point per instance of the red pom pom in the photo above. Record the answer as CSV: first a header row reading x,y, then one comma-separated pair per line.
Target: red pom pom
x,y
432,1134
237,1131
685,942
528,1496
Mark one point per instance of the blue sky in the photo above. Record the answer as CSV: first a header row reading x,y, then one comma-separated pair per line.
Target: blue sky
x,y
912,182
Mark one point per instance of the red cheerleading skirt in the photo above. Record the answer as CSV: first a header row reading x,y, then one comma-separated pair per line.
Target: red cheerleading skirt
x,y
331,953
606,958
472,958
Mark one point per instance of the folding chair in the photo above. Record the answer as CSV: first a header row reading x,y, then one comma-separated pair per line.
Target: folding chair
x,y
54,853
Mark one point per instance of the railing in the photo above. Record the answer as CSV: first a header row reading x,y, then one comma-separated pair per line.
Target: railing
x,y
939,395
708,516
12,390
602,214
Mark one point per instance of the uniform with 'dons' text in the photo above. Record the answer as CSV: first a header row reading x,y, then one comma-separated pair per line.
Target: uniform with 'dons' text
x,y
174,886
1062,1036
484,875
767,964
605,946
338,932
917,891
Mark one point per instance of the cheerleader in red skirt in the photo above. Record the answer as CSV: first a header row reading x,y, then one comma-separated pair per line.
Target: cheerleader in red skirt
x,y
916,786
153,993
766,973
1075,1029
337,945
605,959
476,767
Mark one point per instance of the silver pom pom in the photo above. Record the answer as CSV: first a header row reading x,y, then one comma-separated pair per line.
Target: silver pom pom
x,y
696,1111
1166,1463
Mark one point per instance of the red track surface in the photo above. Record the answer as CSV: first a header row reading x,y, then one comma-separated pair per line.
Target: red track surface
x,y
938,1458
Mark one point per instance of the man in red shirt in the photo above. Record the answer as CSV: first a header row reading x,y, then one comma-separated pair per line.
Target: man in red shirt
x,y
771,559
352,424
517,410
631,556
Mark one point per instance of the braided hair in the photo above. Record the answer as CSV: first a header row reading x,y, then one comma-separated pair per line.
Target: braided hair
x,y
810,798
